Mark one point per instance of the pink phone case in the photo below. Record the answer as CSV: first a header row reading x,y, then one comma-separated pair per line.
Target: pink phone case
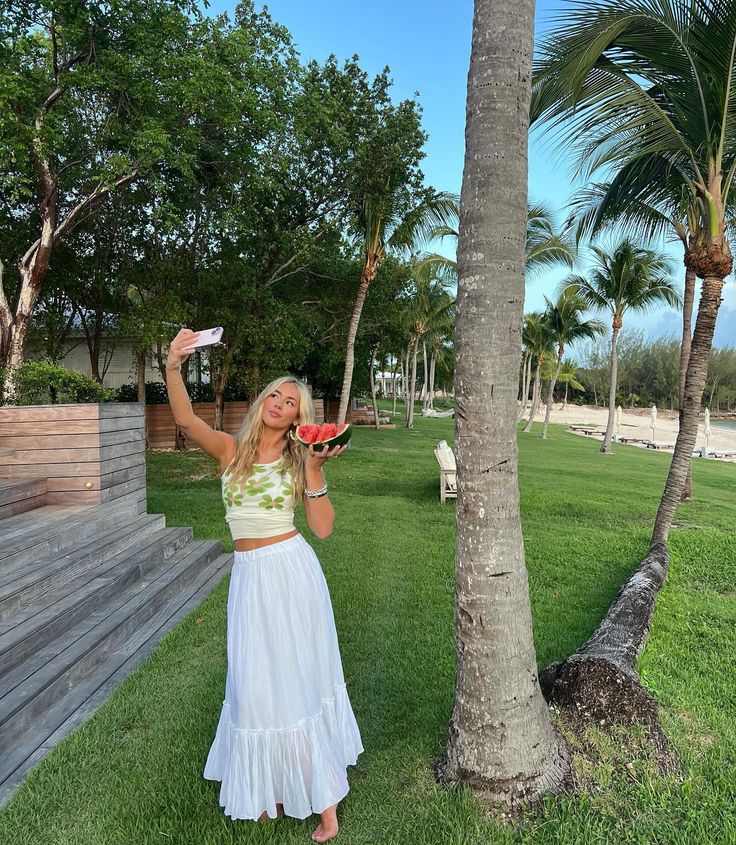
x,y
207,336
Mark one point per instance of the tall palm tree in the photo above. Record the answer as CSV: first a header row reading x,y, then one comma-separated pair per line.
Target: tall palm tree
x,y
630,278
383,225
430,309
540,342
500,738
564,319
639,78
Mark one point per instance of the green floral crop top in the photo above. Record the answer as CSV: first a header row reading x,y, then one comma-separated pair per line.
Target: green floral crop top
x,y
261,507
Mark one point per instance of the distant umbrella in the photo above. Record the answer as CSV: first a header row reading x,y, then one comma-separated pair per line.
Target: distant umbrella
x,y
653,422
706,430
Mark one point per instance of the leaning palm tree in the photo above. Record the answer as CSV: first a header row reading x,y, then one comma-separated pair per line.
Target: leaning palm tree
x,y
630,278
565,324
640,78
383,225
501,740
623,82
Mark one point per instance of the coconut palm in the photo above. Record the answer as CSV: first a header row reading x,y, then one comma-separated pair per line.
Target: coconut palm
x,y
565,324
540,342
630,278
568,376
500,739
642,78
383,225
544,246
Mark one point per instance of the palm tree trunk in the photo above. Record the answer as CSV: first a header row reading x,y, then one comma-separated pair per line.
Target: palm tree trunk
x,y
687,321
697,371
350,352
373,385
432,363
550,395
501,739
396,366
564,404
606,445
536,391
527,385
413,386
425,384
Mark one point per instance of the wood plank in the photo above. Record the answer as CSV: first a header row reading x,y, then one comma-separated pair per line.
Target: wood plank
x,y
22,505
82,469
109,410
100,482
39,413
74,440
74,455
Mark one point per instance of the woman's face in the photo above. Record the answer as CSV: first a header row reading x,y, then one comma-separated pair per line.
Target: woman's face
x,y
281,407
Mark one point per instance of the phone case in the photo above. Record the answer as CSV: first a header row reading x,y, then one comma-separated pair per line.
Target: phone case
x,y
208,336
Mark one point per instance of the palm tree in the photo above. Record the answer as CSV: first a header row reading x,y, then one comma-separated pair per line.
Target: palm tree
x,y
500,737
382,226
630,278
540,343
568,376
566,325
430,310
635,79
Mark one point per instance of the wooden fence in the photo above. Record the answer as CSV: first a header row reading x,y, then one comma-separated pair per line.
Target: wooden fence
x,y
89,453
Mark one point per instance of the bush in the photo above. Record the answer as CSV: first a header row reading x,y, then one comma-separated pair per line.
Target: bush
x,y
156,393
42,383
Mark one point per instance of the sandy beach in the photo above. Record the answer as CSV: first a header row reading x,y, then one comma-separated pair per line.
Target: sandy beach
x,y
635,422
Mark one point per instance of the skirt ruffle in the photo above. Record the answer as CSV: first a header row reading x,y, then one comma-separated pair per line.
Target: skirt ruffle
x,y
286,731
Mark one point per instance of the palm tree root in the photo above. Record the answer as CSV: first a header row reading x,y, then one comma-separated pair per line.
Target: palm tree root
x,y
599,682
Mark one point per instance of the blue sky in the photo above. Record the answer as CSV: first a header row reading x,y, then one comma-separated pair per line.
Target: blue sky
x,y
428,51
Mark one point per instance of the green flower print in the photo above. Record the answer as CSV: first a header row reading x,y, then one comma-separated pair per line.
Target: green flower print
x,y
256,486
272,504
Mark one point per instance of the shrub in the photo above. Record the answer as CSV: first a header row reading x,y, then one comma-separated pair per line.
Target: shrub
x,y
42,383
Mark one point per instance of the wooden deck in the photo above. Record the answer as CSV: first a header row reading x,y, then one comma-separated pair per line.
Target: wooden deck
x,y
87,589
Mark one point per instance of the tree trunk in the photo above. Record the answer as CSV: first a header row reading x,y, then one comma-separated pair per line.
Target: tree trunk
x,y
553,382
396,366
501,740
687,321
564,403
527,385
697,371
412,386
370,268
536,391
425,384
373,385
608,438
219,385
432,362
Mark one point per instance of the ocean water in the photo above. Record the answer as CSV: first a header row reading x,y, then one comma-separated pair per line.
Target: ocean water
x,y
729,424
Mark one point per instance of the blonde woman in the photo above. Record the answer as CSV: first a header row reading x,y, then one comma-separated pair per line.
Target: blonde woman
x,y
286,731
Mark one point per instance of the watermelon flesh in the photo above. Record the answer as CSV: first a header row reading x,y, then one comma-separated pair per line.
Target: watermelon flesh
x,y
327,435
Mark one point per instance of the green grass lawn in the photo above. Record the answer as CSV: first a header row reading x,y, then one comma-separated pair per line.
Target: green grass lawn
x,y
133,774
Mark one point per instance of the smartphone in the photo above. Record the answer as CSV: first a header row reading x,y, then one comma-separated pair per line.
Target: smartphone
x,y
206,337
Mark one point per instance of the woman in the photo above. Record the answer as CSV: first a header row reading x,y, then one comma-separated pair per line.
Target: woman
x,y
286,731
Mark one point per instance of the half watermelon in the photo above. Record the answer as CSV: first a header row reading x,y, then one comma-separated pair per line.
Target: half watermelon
x,y
325,436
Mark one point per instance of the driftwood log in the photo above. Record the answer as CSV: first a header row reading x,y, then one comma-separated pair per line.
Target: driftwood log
x,y
600,680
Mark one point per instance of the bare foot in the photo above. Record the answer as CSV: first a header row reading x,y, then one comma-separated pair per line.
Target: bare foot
x,y
328,826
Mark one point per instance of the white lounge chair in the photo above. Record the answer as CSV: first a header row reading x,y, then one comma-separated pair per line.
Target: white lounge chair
x,y
448,471
436,415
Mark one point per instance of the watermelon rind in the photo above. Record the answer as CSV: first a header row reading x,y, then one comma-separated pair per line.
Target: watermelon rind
x,y
337,440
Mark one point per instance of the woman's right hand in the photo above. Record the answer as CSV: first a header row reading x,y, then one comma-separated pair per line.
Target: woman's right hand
x,y
180,348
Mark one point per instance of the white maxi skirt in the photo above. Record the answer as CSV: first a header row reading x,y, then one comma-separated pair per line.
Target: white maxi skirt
x,y
287,731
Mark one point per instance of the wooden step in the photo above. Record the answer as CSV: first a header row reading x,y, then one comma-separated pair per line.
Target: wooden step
x,y
7,453
32,629
54,529
74,708
19,495
95,639
35,585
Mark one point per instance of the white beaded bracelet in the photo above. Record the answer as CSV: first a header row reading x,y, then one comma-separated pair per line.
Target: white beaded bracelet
x,y
315,494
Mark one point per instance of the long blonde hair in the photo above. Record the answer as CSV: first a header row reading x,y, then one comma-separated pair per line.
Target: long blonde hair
x,y
248,439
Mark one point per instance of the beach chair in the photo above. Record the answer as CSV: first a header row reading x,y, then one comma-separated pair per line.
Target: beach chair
x,y
448,471
437,415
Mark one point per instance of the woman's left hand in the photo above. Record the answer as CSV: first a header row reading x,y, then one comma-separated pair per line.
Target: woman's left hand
x,y
317,459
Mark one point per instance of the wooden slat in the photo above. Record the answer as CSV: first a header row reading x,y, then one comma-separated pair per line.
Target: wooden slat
x,y
73,440
65,456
